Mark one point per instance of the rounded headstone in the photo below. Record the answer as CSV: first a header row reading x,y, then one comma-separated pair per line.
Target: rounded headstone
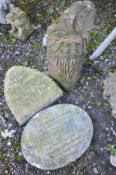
x,y
110,91
56,136
27,91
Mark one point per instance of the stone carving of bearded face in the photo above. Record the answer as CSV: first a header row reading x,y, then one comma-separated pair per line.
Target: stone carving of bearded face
x,y
67,42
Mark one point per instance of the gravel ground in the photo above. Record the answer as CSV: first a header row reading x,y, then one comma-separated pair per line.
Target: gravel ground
x,y
87,94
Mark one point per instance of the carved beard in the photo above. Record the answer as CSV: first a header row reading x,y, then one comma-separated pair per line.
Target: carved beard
x,y
65,61
67,70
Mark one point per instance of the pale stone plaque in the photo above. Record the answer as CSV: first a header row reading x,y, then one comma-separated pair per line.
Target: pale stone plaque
x,y
110,91
56,136
27,91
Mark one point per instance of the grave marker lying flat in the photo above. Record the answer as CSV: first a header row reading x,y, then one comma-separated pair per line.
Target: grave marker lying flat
x,y
56,136
27,91
110,91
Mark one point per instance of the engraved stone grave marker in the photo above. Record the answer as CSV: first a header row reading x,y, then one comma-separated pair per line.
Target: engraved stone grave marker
x,y
56,136
110,91
27,91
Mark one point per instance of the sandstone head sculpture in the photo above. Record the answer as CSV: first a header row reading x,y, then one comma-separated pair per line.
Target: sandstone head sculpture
x,y
67,43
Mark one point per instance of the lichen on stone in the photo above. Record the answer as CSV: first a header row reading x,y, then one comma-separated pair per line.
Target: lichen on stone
x,y
110,91
27,91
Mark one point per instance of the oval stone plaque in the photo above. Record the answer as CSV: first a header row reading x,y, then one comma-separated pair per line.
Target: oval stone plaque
x,y
56,136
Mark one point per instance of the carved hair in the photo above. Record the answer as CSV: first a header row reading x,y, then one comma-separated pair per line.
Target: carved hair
x,y
77,19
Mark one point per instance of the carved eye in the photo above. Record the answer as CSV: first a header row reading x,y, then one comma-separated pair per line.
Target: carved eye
x,y
22,14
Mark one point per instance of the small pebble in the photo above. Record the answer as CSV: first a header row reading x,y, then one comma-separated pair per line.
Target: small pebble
x,y
9,144
95,171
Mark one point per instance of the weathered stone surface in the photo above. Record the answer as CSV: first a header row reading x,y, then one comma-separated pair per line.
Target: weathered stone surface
x,y
110,91
4,9
20,23
113,160
67,43
27,91
56,136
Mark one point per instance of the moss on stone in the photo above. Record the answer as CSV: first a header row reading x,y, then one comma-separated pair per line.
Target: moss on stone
x,y
17,158
6,39
16,146
96,39
2,156
37,10
28,91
